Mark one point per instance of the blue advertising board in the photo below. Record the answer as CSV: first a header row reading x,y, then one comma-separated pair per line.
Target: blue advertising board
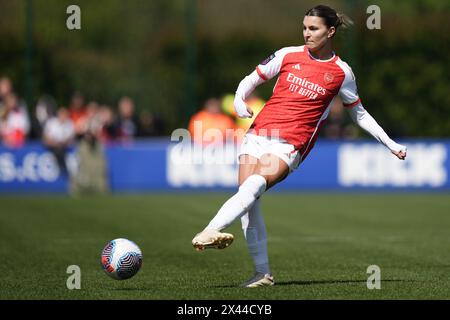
x,y
159,165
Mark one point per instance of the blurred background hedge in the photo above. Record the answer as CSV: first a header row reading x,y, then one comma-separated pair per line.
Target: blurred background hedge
x,y
172,55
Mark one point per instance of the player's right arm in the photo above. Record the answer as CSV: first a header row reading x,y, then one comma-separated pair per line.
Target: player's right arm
x,y
265,71
245,88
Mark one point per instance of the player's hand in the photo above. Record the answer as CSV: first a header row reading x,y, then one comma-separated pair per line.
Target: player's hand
x,y
401,154
242,110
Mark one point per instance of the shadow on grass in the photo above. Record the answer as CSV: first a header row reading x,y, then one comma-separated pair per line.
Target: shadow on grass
x,y
131,289
280,283
320,282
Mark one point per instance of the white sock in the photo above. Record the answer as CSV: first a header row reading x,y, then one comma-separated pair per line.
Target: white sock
x,y
256,237
253,187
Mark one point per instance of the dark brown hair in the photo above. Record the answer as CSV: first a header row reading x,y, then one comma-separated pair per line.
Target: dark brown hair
x,y
330,16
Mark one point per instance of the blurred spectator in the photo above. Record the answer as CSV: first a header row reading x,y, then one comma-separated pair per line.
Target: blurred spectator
x,y
58,136
45,109
77,113
5,89
109,132
92,126
211,117
150,125
228,105
14,122
126,120
92,169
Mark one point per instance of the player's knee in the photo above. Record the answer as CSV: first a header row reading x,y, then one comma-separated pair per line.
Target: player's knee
x,y
272,179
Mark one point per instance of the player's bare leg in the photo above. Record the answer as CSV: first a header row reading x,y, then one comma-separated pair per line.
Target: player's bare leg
x,y
247,167
272,168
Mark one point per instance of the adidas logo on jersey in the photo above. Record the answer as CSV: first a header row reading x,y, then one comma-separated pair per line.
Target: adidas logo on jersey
x,y
297,66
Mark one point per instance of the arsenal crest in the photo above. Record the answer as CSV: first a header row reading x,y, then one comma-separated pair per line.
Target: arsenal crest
x,y
328,77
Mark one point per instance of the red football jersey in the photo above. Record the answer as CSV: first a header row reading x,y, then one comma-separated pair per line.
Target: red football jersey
x,y
303,95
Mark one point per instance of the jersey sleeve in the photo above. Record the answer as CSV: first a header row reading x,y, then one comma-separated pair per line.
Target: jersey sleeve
x,y
271,66
349,91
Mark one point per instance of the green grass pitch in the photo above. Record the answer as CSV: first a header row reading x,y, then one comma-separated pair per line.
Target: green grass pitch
x,y
320,246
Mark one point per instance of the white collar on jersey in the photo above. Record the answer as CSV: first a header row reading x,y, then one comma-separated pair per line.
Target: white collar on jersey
x,y
319,60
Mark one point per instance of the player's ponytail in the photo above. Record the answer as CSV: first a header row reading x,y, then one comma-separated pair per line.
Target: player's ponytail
x,y
331,17
343,20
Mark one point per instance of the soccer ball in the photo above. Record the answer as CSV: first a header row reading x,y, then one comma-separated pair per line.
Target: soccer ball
x,y
121,259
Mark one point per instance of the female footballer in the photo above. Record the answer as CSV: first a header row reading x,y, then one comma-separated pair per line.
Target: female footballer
x,y
310,77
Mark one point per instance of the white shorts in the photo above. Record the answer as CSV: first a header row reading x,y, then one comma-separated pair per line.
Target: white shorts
x,y
256,146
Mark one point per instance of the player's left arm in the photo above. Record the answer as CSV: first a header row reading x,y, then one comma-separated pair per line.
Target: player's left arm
x,y
348,93
368,123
